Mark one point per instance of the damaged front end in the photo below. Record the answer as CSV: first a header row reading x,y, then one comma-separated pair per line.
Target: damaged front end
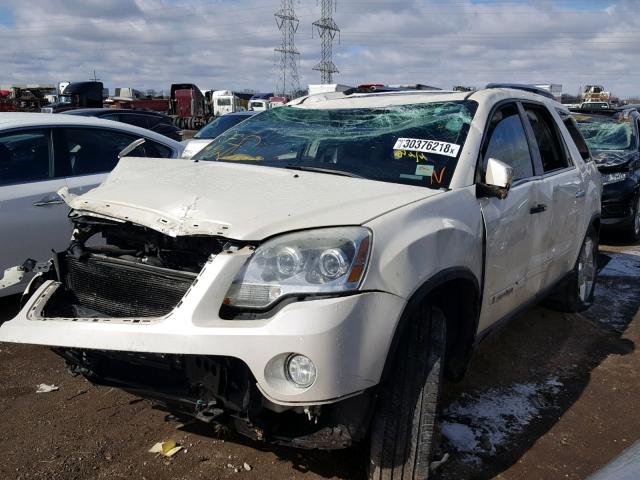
x,y
120,270
118,274
222,391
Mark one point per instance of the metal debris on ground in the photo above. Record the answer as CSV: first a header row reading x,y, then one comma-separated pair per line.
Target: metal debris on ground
x,y
167,448
44,388
247,467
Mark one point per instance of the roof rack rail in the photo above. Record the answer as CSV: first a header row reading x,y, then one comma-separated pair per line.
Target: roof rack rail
x,y
371,89
380,88
523,86
415,86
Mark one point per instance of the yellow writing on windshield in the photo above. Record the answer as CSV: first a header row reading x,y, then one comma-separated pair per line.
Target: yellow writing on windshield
x,y
400,154
238,157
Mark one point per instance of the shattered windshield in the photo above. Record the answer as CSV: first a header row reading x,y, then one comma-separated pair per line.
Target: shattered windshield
x,y
606,133
409,144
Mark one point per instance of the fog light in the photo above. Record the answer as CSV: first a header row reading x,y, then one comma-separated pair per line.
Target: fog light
x,y
300,370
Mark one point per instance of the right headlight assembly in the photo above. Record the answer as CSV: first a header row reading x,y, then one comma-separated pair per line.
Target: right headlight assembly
x,y
614,177
322,261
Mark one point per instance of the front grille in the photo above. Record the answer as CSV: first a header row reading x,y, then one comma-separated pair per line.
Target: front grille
x,y
119,288
188,382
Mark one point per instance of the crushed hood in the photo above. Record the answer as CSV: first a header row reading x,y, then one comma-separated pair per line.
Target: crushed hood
x,y
244,202
612,158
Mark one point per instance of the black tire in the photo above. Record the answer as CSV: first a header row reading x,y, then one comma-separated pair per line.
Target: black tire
x,y
569,298
633,232
403,429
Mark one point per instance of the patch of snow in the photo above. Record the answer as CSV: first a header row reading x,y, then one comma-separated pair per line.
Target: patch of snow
x,y
480,423
616,303
471,459
554,383
460,436
625,264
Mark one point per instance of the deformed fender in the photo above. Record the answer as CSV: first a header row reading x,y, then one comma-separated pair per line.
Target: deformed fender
x,y
460,343
425,245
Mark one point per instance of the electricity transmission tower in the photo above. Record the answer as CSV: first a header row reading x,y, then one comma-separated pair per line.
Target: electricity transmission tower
x,y
327,29
288,79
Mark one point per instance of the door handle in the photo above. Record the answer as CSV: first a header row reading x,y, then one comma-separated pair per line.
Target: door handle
x,y
541,207
46,203
580,193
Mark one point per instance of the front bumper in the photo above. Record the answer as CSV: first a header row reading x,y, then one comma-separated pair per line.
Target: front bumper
x,y
346,337
618,203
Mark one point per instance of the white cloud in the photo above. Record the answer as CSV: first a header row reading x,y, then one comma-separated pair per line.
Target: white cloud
x,y
229,44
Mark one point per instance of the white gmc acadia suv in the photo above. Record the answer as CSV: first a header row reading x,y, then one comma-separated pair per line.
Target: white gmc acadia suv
x,y
315,271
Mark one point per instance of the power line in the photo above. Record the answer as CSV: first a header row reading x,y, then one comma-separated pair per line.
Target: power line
x,y
288,80
327,29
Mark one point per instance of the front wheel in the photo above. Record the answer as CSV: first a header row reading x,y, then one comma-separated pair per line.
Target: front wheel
x,y
402,432
634,230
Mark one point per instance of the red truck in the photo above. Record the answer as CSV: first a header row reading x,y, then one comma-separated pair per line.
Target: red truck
x,y
188,107
7,103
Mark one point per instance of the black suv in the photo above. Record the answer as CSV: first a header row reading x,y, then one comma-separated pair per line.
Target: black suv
x,y
614,140
154,121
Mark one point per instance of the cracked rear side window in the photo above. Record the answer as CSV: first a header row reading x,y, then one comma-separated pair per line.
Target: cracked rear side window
x,y
415,144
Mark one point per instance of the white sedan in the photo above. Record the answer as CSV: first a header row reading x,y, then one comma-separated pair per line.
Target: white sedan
x,y
42,153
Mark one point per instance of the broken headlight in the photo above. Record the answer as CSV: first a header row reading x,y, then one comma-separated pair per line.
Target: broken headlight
x,y
615,177
322,261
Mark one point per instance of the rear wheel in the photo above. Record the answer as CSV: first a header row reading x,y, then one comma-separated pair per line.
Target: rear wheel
x,y
402,431
576,294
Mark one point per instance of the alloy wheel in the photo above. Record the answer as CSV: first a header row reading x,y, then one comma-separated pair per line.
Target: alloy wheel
x,y
636,220
586,270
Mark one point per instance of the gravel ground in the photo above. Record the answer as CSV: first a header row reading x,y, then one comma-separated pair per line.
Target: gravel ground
x,y
548,396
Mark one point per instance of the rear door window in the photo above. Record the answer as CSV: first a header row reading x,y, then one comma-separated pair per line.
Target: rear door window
x,y
577,137
92,150
137,120
507,141
25,156
548,143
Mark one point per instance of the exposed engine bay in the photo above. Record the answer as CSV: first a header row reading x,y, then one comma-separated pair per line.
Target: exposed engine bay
x,y
115,269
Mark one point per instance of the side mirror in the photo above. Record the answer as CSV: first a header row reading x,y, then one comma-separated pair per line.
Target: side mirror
x,y
498,180
499,174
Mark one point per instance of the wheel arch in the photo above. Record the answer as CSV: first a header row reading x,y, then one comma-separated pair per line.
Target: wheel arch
x,y
456,291
594,222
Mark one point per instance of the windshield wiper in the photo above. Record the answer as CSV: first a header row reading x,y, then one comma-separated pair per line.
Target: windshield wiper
x,y
330,171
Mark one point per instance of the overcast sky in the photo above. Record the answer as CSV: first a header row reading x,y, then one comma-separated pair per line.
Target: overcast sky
x,y
224,44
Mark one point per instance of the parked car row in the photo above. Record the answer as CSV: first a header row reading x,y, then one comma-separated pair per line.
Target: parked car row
x,y
317,270
154,121
42,153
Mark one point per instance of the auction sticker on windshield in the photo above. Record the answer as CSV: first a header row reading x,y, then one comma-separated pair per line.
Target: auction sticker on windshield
x,y
427,146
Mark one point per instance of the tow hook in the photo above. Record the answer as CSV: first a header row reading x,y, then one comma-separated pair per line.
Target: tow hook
x,y
312,413
14,275
207,412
